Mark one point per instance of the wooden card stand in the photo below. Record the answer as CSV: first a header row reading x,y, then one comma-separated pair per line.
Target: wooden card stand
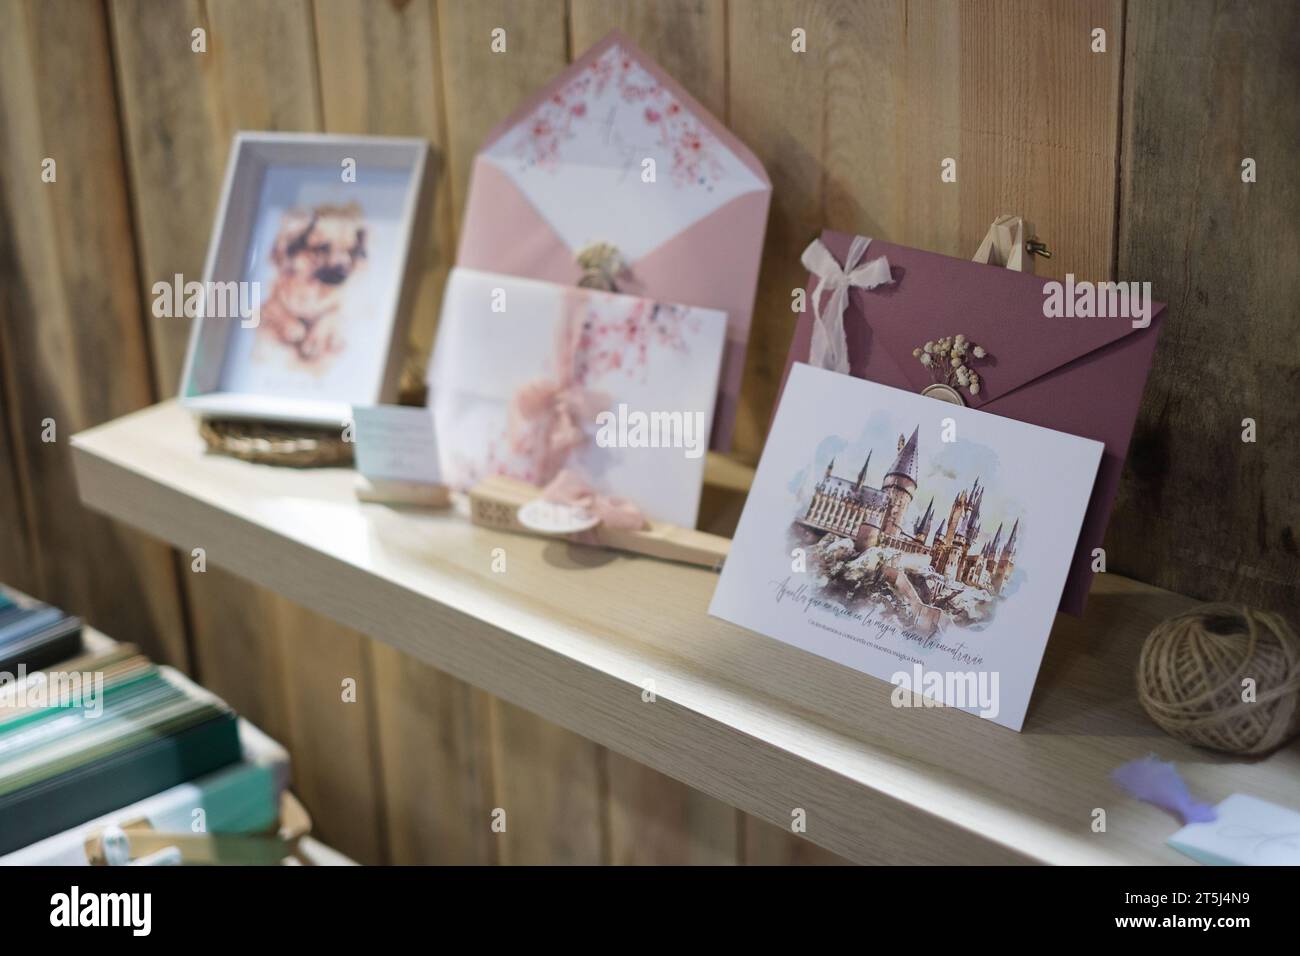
x,y
495,503
389,492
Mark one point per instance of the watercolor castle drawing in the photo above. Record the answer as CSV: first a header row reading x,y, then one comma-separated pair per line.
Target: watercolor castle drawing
x,y
865,548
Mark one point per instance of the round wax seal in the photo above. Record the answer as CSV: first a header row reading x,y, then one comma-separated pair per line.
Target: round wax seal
x,y
549,517
944,393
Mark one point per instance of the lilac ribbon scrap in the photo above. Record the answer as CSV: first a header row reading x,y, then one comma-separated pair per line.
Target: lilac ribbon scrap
x,y
830,346
1156,782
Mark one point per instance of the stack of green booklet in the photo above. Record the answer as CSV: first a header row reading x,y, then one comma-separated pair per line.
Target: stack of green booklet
x,y
242,798
33,634
98,732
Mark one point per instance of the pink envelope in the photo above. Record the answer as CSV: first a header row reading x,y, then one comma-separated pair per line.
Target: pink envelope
x,y
1083,376
568,168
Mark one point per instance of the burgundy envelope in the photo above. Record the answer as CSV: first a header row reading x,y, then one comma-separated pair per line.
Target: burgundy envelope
x,y
1083,376
595,124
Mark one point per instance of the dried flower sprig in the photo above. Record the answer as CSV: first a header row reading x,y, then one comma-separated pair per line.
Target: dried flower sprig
x,y
948,360
601,263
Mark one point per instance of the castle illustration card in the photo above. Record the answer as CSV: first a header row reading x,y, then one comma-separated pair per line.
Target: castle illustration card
x,y
920,542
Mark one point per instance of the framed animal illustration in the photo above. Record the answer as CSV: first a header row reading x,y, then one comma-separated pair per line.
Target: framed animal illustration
x,y
307,289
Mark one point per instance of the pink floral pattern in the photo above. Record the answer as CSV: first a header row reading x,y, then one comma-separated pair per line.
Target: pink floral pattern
x,y
611,341
691,146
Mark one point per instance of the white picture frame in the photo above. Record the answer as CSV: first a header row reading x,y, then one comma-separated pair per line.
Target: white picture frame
x,y
295,207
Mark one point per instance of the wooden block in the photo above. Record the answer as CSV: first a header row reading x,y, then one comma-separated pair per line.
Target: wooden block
x,y
388,492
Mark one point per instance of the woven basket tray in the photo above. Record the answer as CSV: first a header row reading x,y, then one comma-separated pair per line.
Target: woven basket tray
x,y
296,446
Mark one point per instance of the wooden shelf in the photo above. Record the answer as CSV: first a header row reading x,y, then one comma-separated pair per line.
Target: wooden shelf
x,y
574,634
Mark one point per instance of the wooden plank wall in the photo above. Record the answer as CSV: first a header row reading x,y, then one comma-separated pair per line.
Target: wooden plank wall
x,y
1208,85
74,343
1128,161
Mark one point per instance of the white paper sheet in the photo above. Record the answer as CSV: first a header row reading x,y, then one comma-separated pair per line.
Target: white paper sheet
x,y
645,374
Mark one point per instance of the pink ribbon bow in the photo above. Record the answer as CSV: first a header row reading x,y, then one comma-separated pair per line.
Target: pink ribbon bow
x,y
830,347
549,412
569,488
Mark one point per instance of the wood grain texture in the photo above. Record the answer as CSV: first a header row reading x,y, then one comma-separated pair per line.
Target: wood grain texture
x,y
571,634
1208,85
265,64
235,654
434,741
768,845
173,125
548,781
656,820
932,104
482,87
18,561
1039,127
73,348
332,696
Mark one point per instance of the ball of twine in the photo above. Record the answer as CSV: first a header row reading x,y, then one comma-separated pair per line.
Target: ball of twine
x,y
1191,672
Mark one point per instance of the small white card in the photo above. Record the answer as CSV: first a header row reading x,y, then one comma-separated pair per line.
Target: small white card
x,y
396,443
923,543
1248,832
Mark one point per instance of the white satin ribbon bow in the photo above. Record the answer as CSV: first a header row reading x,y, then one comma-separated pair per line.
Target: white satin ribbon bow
x,y
830,347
